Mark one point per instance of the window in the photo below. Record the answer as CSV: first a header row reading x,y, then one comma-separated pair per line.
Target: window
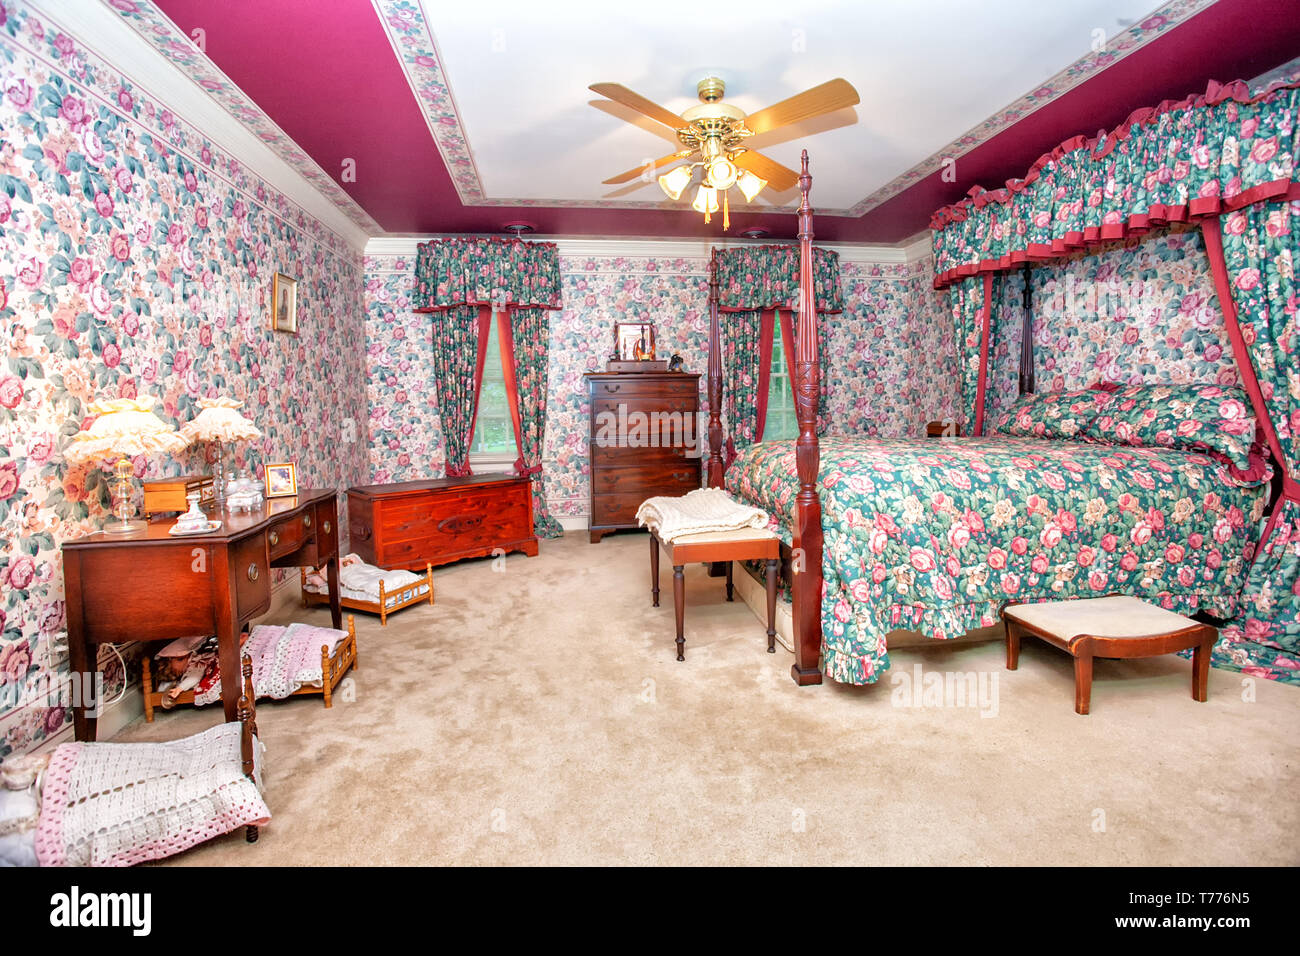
x,y
781,423
494,433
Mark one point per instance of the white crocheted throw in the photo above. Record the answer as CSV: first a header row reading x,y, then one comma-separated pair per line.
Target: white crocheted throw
x,y
120,804
705,509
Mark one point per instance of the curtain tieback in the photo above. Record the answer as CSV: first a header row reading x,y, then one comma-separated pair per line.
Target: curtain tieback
x,y
458,471
523,470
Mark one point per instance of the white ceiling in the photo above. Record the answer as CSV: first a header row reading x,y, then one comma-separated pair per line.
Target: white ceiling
x,y
926,70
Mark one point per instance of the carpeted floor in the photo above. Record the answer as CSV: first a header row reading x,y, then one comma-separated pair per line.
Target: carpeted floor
x,y
536,715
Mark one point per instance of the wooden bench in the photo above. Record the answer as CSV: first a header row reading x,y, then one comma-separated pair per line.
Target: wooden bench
x,y
746,544
1116,626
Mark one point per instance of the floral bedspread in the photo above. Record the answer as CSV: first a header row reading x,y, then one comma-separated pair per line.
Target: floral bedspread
x,y
933,535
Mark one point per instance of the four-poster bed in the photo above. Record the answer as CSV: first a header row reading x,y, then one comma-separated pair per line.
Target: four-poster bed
x,y
936,536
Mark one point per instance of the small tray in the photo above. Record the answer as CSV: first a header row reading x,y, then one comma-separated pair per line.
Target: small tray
x,y
212,526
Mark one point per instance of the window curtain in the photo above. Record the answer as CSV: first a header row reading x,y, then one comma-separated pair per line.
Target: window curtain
x,y
525,341
1202,156
757,283
462,281
1253,255
790,342
970,303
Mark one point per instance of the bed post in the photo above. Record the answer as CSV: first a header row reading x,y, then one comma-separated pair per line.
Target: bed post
x,y
715,379
806,567
1027,337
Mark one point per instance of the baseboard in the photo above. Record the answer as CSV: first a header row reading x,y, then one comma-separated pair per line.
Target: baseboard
x,y
574,522
755,595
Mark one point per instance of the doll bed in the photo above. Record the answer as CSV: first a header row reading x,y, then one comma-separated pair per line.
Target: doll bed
x,y
363,587
284,661
118,804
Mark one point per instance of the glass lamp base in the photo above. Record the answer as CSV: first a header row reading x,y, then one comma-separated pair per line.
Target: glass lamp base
x,y
124,527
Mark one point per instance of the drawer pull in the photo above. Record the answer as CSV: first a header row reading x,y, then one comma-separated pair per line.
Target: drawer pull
x,y
253,572
275,539
612,388
326,527
681,475
306,521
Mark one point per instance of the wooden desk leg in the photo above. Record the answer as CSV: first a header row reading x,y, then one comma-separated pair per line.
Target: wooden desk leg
x,y
731,594
226,619
1201,668
1082,682
654,569
772,565
332,577
679,607
1013,646
82,655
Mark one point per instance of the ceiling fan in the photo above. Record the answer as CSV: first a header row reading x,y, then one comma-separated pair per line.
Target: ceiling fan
x,y
713,134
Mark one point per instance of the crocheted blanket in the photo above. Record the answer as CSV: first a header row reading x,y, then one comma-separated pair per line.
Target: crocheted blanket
x,y
121,804
284,659
705,509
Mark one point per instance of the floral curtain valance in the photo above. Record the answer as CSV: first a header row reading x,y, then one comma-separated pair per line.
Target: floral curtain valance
x,y
486,271
1197,157
767,277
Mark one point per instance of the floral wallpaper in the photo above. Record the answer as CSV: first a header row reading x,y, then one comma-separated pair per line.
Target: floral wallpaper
x,y
872,391
135,258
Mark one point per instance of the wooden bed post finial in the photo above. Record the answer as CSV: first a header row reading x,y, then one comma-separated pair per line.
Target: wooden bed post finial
x,y
806,566
715,468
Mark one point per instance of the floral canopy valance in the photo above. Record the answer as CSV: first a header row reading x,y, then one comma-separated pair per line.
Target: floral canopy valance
x,y
1202,156
767,277
486,271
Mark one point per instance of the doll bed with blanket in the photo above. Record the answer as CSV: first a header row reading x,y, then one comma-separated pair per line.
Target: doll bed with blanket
x,y
364,587
118,804
287,661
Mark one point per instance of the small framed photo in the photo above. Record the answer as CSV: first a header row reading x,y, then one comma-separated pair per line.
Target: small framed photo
x,y
284,303
634,341
281,480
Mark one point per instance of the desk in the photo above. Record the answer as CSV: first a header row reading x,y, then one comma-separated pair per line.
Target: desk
x,y
152,586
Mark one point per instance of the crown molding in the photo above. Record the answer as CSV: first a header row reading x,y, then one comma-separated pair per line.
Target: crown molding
x,y
98,28
578,248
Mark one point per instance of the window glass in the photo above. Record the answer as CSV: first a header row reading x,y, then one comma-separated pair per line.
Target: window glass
x,y
494,432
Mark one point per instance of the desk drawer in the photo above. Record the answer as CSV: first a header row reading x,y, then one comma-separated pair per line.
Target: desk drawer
x,y
287,536
326,523
251,572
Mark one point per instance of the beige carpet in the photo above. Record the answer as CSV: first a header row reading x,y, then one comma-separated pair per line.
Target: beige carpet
x,y
536,715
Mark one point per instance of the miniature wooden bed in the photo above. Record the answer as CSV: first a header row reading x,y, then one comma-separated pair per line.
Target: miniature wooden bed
x,y
387,603
333,667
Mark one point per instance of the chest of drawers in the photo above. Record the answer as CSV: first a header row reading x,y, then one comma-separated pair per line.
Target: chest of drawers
x,y
644,440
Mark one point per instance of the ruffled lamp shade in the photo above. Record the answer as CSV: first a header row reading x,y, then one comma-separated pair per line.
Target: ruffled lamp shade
x,y
123,429
220,422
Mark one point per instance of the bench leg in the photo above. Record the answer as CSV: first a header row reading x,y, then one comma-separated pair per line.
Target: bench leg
x,y
1013,646
772,565
731,594
1201,671
250,834
679,607
654,569
1082,683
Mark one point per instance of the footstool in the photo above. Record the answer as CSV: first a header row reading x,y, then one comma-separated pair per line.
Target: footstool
x,y
1120,627
746,544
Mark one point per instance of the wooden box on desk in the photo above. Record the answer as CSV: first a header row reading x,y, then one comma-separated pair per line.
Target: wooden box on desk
x,y
168,494
413,524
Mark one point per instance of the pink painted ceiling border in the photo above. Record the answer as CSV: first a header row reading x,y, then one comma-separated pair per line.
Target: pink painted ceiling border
x,y
416,48
157,29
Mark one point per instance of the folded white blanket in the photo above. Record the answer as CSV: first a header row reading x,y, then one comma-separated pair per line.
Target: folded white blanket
x,y
705,509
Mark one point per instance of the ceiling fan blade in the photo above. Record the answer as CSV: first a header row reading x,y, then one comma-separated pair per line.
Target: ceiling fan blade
x,y
636,171
779,177
830,96
621,94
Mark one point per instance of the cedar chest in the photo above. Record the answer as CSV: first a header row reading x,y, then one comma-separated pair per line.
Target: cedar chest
x,y
412,524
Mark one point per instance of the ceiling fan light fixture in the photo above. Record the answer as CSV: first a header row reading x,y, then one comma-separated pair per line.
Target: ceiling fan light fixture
x,y
675,181
750,184
706,200
721,174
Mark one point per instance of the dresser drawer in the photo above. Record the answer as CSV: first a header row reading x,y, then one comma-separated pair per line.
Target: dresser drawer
x,y
604,456
616,509
630,387
647,479
251,572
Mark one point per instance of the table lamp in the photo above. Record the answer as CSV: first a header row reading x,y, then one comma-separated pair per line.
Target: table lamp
x,y
220,422
124,428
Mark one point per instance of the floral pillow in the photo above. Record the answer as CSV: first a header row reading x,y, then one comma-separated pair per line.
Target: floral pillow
x,y
1195,417
1052,414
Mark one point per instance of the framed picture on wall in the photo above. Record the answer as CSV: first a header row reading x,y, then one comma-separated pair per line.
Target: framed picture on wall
x,y
284,303
281,480
634,341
